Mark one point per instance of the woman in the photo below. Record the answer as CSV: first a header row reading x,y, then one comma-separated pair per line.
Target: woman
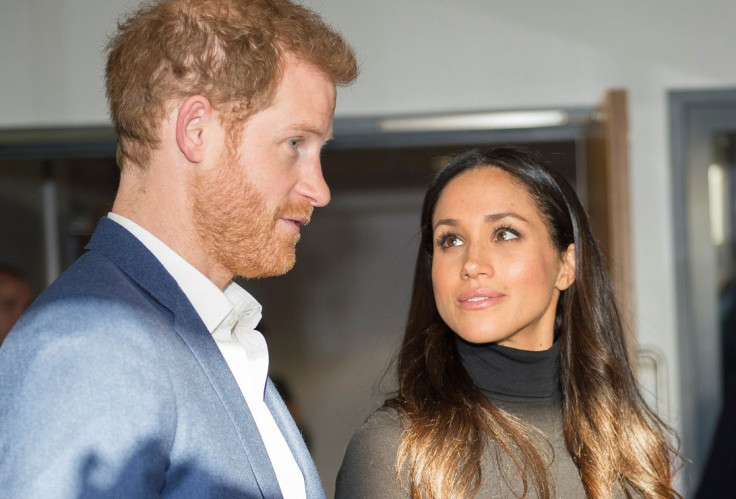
x,y
513,375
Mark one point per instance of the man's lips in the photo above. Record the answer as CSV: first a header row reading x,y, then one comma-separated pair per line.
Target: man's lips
x,y
295,215
479,298
296,220
296,223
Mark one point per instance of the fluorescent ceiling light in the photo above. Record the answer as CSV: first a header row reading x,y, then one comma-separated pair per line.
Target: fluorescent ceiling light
x,y
717,203
475,121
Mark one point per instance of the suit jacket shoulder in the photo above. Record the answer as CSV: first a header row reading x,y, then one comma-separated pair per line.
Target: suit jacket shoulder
x,y
114,386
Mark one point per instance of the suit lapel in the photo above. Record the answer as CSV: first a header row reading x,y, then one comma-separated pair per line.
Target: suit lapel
x,y
205,349
133,258
294,440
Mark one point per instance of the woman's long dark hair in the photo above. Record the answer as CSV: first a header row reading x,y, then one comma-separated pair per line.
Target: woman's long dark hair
x,y
614,438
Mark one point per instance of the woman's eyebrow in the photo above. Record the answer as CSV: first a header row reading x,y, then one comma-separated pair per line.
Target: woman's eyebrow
x,y
445,221
493,217
498,216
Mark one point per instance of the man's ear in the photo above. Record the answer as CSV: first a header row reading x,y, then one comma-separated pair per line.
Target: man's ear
x,y
192,121
566,276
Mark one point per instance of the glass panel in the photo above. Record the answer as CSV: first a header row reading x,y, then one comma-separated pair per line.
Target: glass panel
x,y
21,220
723,221
75,192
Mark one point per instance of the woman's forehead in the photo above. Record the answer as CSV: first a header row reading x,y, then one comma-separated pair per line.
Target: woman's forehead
x,y
486,188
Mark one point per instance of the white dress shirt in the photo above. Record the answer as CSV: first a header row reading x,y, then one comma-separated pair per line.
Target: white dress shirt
x,y
231,318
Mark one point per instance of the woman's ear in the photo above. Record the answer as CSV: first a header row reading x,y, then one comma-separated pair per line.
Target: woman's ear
x,y
194,116
566,276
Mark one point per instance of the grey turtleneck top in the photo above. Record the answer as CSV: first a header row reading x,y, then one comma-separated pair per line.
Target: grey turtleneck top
x,y
522,383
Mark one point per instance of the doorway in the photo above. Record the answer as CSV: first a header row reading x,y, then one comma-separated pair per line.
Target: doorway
x,y
703,148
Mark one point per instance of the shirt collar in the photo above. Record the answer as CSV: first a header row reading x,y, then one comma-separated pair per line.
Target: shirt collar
x,y
211,304
245,308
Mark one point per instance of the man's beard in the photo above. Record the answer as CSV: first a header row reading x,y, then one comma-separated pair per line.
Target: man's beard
x,y
236,228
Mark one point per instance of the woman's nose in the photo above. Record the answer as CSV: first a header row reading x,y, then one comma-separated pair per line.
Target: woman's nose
x,y
477,262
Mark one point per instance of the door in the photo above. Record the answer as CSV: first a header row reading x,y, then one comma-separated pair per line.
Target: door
x,y
703,134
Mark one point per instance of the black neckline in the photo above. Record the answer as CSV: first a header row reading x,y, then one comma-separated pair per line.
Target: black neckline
x,y
509,374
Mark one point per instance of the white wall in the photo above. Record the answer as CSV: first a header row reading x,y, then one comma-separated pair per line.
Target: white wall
x,y
431,55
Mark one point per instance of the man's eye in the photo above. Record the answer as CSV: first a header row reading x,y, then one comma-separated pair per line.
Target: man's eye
x,y
294,143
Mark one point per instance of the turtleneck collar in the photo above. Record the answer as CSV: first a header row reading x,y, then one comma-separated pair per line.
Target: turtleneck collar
x,y
508,374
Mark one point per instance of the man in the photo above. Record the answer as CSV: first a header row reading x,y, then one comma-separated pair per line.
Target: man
x,y
15,296
138,373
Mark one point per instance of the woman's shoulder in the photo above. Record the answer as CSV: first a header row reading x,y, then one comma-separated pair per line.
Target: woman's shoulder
x,y
369,466
379,436
384,420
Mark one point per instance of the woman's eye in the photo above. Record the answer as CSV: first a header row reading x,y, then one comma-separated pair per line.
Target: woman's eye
x,y
449,240
506,234
294,143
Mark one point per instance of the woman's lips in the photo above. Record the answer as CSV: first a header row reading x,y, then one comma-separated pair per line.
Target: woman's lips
x,y
480,298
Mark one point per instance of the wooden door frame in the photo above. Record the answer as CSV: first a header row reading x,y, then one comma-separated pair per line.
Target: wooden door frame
x,y
609,206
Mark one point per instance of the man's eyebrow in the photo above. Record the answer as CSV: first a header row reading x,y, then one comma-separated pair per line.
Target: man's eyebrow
x,y
308,127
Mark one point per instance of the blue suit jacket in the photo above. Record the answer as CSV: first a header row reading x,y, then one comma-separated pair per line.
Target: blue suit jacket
x,y
111,386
